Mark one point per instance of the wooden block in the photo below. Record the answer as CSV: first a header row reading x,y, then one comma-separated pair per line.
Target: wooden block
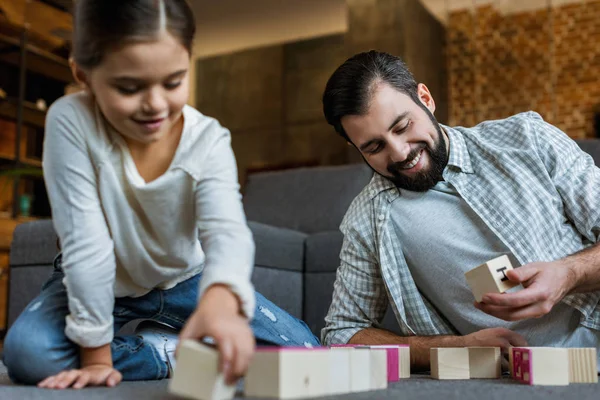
x,y
339,372
288,373
449,363
393,361
196,375
404,362
490,277
541,365
485,362
379,369
583,365
511,368
360,369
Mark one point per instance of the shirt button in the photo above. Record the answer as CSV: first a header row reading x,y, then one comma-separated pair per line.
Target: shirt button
x,y
381,217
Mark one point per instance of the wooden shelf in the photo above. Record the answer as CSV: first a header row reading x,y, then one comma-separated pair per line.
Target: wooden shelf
x,y
32,162
39,61
31,115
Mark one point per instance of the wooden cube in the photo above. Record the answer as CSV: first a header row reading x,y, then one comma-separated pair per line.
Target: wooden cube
x,y
485,362
398,360
404,361
490,277
541,365
196,375
393,361
379,369
339,370
360,369
288,373
511,367
583,365
449,363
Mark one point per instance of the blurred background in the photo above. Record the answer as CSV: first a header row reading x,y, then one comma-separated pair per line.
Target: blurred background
x,y
260,68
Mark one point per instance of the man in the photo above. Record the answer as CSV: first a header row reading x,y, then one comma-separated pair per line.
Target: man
x,y
445,200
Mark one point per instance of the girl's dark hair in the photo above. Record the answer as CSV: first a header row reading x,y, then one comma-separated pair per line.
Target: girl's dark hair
x,y
100,25
349,90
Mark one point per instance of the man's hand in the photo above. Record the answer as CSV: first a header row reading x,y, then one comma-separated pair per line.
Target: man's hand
x,y
218,316
91,375
494,337
546,283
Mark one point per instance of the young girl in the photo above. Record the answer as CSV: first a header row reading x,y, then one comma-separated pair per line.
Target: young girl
x,y
146,204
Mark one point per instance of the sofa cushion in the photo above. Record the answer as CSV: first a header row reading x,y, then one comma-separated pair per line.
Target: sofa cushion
x,y
592,147
305,199
323,251
38,235
278,247
282,287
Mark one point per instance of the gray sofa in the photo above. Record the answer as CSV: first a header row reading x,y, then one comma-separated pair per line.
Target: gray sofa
x,y
294,216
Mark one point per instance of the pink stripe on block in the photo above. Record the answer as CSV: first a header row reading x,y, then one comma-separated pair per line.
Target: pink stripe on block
x,y
393,362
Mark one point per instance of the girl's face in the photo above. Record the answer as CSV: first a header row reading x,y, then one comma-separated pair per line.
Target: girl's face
x,y
141,87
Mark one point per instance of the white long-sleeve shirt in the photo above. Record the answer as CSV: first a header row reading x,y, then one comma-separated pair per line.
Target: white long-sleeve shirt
x,y
121,236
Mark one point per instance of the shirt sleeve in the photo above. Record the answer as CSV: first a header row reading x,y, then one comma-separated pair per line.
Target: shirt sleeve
x,y
88,255
359,297
224,234
576,177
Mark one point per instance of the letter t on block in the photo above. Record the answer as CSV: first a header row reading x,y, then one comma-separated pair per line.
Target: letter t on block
x,y
490,277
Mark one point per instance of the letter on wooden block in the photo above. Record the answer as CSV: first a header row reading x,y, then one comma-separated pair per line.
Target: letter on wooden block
x,y
449,363
288,373
541,365
485,362
583,365
196,375
490,277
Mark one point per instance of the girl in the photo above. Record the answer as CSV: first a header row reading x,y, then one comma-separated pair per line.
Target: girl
x,y
146,204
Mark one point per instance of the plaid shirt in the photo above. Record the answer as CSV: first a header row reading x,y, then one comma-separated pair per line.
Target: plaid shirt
x,y
530,184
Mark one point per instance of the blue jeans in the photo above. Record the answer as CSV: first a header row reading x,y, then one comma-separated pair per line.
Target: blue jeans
x,y
36,347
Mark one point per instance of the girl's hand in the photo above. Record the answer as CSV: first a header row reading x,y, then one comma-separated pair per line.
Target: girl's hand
x,y
218,316
91,375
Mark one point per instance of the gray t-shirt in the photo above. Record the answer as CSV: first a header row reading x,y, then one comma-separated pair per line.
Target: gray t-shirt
x,y
442,238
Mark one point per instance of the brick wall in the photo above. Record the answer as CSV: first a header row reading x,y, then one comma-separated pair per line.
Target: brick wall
x,y
547,60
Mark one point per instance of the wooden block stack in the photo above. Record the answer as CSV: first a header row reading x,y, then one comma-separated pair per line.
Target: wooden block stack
x,y
490,277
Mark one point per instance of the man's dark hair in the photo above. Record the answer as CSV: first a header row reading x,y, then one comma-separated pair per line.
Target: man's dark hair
x,y
350,88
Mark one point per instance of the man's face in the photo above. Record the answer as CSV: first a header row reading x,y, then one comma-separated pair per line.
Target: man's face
x,y
399,139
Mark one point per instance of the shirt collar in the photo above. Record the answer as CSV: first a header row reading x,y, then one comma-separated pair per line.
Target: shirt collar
x,y
459,155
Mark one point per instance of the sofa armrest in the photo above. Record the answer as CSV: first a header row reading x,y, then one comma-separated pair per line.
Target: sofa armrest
x,y
31,255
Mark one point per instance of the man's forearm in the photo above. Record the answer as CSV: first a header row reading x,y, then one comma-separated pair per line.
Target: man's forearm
x,y
586,269
419,345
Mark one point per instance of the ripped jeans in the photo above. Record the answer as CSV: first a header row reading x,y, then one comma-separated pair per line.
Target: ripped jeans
x,y
36,346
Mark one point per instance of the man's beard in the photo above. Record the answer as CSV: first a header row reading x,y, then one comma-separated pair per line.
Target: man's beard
x,y
424,179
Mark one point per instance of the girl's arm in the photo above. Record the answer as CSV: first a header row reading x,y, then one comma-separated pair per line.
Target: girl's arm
x,y
226,296
88,255
224,235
